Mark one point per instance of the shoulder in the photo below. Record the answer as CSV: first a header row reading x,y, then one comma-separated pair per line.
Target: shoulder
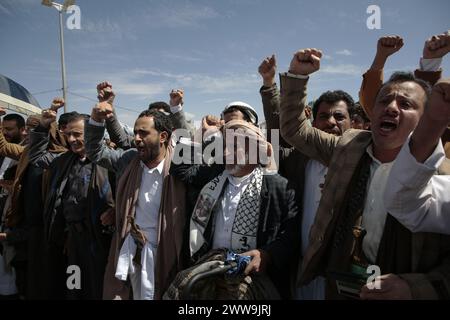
x,y
275,181
355,136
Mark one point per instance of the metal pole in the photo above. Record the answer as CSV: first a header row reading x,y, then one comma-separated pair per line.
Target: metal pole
x,y
63,64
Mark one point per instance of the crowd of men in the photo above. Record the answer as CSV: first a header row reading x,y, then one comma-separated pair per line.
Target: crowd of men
x,y
351,200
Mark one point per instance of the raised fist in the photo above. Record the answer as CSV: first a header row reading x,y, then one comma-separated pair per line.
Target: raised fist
x,y
48,116
102,111
57,103
305,61
105,92
176,97
267,70
211,122
437,46
389,45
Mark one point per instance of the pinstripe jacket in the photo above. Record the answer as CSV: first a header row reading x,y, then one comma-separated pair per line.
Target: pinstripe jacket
x,y
427,259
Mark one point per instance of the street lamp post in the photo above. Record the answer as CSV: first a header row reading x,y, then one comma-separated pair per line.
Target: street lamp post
x,y
61,8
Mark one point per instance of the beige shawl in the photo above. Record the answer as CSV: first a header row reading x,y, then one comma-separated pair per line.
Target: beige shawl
x,y
172,219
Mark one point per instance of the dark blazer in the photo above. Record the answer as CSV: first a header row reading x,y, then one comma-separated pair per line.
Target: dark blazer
x,y
278,210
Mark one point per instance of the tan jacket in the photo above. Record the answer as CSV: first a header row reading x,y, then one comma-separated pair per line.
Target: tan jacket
x,y
430,253
372,82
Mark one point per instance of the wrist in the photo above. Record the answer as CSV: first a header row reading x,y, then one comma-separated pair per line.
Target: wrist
x,y
298,73
269,82
379,61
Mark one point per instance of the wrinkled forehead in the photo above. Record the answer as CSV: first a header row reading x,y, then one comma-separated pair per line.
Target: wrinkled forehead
x,y
407,89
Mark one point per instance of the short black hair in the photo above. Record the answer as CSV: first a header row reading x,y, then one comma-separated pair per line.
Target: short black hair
x,y
20,121
331,97
162,121
406,76
159,105
65,118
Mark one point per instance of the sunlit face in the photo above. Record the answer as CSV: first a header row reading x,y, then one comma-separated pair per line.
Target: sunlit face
x,y
147,139
397,111
74,133
332,118
11,131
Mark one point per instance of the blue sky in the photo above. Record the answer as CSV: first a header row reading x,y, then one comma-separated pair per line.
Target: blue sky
x,y
211,49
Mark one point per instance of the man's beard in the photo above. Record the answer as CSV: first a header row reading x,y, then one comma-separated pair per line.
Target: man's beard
x,y
151,153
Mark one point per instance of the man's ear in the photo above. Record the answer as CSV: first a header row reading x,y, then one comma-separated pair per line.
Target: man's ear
x,y
163,137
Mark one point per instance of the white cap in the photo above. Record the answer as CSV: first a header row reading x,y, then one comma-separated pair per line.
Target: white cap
x,y
244,108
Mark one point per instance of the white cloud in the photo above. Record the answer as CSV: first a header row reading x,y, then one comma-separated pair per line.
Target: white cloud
x,y
176,15
344,69
204,83
344,52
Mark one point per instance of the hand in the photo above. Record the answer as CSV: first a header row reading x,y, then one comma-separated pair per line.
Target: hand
x,y
267,70
438,108
57,103
3,236
176,97
48,117
437,46
2,112
308,112
102,111
259,261
392,287
108,217
210,122
389,45
105,92
305,62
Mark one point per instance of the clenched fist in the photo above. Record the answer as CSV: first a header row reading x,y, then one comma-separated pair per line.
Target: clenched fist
x,y
57,103
389,45
48,116
102,111
267,70
105,92
305,61
437,46
176,97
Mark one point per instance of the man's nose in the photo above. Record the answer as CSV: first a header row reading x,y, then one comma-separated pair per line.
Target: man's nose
x,y
331,121
392,108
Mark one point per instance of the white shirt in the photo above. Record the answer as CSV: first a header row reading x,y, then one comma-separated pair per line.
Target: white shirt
x,y
149,200
147,218
226,211
415,196
374,215
314,176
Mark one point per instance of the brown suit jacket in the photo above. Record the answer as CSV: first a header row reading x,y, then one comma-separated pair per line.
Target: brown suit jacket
x,y
428,260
